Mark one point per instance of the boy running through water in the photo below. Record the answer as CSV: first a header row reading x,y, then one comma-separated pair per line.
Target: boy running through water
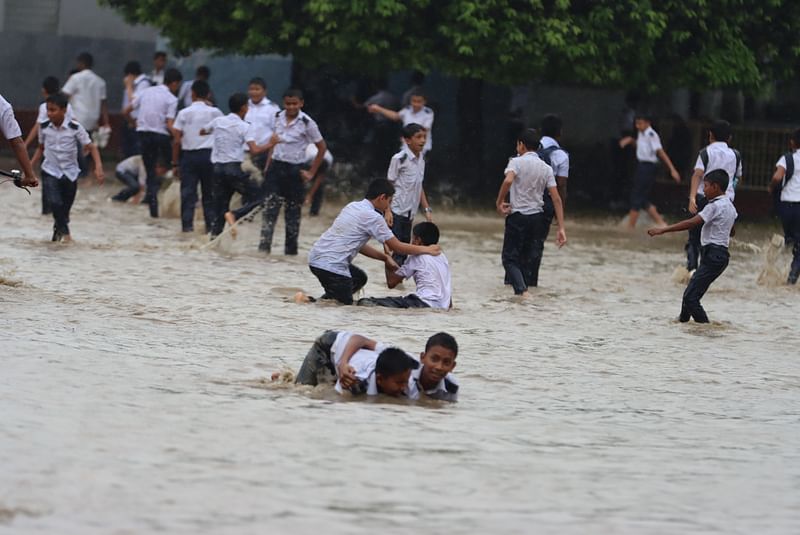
x,y
787,179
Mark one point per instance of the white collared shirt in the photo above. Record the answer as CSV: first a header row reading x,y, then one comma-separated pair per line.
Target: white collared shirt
x,y
647,145
718,216
445,390
531,177
424,118
350,231
229,135
8,122
141,83
262,117
406,172
720,156
191,120
157,76
61,146
42,115
432,277
155,106
133,165
559,159
294,136
363,361
791,185
86,91
311,154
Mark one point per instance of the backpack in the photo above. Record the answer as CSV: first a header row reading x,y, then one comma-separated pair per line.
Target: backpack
x,y
776,192
545,155
734,178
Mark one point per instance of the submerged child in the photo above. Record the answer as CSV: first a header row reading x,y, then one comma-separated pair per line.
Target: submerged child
x,y
717,219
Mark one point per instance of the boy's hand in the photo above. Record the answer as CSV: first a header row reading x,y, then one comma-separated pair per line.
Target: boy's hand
x,y
504,208
676,176
372,108
429,217
99,175
655,231
389,217
561,238
347,376
624,142
692,205
29,181
307,200
433,250
391,265
305,175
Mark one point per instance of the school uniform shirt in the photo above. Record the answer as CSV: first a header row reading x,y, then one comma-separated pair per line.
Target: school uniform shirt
x,y
720,156
532,177
424,117
311,153
86,92
133,165
432,276
140,83
157,76
719,215
445,390
406,172
185,94
559,159
61,145
647,145
8,122
363,361
295,136
350,231
193,119
791,185
230,133
42,114
155,106
262,117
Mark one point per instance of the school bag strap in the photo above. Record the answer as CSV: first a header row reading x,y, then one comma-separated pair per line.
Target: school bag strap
x,y
704,159
789,157
546,153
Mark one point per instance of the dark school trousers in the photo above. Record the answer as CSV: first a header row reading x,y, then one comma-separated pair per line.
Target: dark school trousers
x,y
129,141
523,244
131,183
196,168
228,179
409,301
60,193
643,181
339,287
318,366
155,147
282,184
401,228
790,218
319,195
713,262
693,243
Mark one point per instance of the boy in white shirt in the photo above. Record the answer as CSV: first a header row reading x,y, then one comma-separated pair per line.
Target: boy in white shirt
x,y
331,257
431,275
717,219
787,180
50,86
416,112
316,192
87,94
261,113
60,142
9,128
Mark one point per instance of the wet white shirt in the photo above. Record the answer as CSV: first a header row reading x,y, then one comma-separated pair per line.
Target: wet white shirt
x,y
363,361
647,145
133,165
61,146
155,106
719,215
791,185
229,135
559,159
423,117
262,117
42,115
720,156
141,83
86,93
8,122
531,177
350,231
406,172
294,136
311,153
191,120
445,390
432,276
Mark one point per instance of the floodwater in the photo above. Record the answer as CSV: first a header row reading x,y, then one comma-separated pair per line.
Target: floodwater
x,y
134,392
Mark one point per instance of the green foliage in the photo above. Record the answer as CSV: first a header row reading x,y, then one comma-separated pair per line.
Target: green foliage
x,y
625,43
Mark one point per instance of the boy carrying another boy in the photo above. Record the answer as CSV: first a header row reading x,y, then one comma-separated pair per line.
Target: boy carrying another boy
x,y
787,179
717,219
60,141
431,275
331,257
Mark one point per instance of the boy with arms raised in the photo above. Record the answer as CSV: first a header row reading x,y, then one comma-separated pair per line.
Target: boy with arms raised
x,y
416,112
717,219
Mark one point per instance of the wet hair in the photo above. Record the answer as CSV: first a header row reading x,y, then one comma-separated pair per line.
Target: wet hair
x,y
160,54
411,129
719,177
293,93
50,85
551,125
86,59
530,138
59,99
443,340
378,187
427,232
721,130
258,81
132,67
392,361
202,72
172,75
237,102
796,138
200,88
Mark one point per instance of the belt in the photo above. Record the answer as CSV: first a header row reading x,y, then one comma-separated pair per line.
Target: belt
x,y
713,246
196,150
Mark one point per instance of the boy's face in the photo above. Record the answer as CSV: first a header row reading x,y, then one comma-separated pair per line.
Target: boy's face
x,y
243,110
642,124
159,63
711,189
437,362
292,105
55,113
393,385
417,142
256,92
417,103
383,202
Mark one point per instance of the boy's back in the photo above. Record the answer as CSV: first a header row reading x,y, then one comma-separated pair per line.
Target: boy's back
x,y
532,177
191,120
432,276
718,155
230,133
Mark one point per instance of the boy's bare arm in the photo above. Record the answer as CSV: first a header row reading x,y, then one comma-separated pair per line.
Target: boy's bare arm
x,y
780,172
503,207
423,200
389,114
627,140
561,237
177,136
318,179
392,278
322,148
695,182
672,171
98,163
33,134
686,224
346,373
408,249
21,153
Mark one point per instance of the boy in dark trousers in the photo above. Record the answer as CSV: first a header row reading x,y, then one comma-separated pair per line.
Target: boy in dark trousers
x,y
787,180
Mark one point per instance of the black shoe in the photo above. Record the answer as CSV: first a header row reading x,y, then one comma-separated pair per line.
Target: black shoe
x,y
56,235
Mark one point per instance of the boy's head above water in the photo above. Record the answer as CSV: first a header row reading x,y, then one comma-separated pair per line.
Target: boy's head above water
x,y
392,371
715,183
425,233
438,359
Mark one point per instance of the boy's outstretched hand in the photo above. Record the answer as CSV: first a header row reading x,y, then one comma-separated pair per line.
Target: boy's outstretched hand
x,y
656,231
